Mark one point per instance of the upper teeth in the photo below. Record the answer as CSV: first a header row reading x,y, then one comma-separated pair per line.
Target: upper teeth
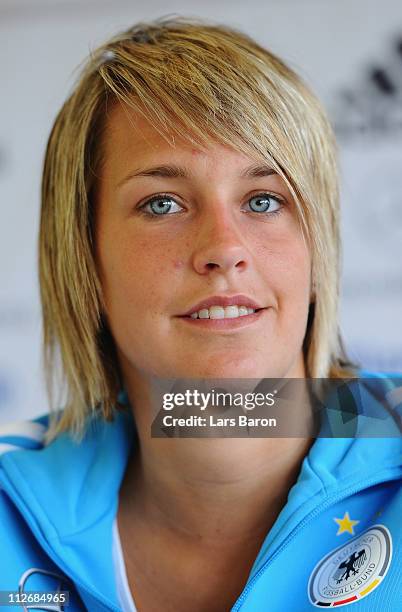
x,y
218,312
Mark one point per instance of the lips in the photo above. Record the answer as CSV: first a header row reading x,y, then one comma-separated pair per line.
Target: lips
x,y
222,300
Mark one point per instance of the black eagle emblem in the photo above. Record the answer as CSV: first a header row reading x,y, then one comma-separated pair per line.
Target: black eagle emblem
x,y
351,566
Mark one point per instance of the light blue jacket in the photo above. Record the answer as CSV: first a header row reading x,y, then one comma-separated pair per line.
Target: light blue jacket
x,y
338,540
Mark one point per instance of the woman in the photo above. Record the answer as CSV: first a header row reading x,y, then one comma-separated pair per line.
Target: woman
x,y
189,229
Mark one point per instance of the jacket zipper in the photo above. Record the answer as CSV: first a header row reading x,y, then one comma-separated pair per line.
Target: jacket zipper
x,y
352,490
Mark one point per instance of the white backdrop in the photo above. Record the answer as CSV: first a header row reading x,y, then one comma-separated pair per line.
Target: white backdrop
x,y
335,46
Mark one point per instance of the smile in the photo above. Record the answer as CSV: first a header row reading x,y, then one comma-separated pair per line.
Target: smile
x,y
220,312
221,321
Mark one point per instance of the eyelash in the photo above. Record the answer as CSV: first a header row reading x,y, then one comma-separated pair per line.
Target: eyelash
x,y
161,196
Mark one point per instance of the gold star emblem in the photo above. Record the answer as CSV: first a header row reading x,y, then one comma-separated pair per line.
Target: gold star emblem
x,y
346,524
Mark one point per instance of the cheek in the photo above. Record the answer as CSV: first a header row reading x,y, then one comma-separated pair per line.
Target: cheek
x,y
287,261
133,267
287,275
297,272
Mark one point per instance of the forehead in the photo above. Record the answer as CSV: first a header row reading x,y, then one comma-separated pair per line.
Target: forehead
x,y
129,137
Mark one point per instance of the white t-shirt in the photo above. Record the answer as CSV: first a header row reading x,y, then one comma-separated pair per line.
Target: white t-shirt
x,y
123,591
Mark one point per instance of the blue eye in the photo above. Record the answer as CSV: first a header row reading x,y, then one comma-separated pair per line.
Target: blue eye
x,y
160,205
264,202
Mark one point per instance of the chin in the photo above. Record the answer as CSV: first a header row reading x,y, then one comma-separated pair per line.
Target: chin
x,y
233,369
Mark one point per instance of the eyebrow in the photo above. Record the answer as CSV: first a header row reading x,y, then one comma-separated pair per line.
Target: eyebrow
x,y
172,171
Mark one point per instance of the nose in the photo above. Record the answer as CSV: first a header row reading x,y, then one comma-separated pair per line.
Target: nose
x,y
219,245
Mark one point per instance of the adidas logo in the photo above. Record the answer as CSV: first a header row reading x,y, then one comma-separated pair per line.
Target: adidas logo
x,y
372,105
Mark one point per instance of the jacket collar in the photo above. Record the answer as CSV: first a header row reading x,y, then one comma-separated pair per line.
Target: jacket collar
x,y
68,494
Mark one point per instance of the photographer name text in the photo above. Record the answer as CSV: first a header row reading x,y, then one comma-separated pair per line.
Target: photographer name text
x,y
241,420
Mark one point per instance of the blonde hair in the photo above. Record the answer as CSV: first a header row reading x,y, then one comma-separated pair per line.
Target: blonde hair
x,y
200,81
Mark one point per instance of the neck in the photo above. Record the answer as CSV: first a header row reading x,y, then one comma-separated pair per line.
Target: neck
x,y
195,488
202,487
